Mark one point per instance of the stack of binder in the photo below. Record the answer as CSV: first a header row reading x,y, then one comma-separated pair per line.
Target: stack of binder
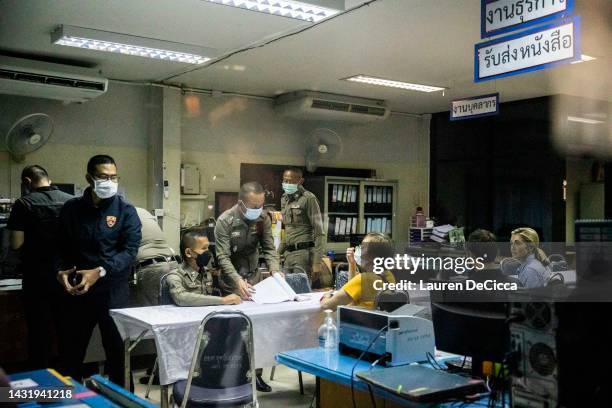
x,y
440,233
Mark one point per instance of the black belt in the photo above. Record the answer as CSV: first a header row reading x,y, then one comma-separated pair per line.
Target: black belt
x,y
298,246
158,259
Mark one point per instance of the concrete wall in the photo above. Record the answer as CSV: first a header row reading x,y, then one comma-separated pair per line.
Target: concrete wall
x,y
220,133
115,124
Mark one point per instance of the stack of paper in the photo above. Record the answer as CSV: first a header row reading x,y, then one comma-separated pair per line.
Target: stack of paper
x,y
440,233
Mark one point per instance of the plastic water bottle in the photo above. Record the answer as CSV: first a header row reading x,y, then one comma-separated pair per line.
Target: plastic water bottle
x,y
328,332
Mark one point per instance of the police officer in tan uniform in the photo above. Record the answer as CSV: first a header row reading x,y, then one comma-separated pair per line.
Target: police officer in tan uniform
x,y
192,283
305,236
239,234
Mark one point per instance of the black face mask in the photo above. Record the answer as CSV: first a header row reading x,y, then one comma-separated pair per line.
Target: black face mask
x,y
203,259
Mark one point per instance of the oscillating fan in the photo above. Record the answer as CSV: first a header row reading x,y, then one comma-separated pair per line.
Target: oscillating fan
x,y
28,134
322,144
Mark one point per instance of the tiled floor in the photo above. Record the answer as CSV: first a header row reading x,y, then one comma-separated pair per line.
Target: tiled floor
x,y
285,389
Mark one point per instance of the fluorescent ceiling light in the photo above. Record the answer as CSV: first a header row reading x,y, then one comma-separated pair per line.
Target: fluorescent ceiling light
x,y
394,84
130,45
288,8
584,120
584,58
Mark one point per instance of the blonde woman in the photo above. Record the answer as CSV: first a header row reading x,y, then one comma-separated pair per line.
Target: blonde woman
x,y
359,290
534,271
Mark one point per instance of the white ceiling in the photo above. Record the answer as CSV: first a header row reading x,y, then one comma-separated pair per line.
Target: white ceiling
x,y
421,41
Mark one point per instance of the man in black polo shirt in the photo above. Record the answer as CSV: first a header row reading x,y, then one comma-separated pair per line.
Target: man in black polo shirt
x,y
100,235
33,226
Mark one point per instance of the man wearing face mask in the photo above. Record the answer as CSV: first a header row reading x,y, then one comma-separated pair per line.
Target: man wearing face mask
x,y
99,237
192,284
33,226
305,237
239,234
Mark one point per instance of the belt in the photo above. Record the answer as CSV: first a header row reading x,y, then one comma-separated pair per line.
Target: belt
x,y
298,246
158,259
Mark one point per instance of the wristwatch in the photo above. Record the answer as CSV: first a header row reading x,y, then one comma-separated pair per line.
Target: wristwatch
x,y
102,271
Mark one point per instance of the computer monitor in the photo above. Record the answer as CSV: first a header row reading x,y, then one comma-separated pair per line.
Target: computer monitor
x,y
474,329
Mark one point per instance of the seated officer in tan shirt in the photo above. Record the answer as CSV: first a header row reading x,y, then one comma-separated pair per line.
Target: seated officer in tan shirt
x,y
192,285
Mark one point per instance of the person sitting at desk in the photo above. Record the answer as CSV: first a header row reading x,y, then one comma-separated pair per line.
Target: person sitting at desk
x,y
483,244
192,285
534,271
359,290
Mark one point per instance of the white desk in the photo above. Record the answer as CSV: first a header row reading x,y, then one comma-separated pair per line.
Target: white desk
x,y
276,328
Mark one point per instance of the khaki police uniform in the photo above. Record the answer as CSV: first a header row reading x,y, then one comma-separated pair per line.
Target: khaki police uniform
x,y
155,259
305,237
238,242
189,287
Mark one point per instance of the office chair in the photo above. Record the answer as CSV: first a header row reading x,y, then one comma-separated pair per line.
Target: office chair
x,y
390,300
557,263
163,298
222,372
341,275
556,279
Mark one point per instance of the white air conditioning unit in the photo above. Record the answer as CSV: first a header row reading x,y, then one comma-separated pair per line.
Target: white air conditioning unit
x,y
51,81
327,106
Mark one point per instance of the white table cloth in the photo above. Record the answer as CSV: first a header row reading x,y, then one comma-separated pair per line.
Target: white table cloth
x,y
276,328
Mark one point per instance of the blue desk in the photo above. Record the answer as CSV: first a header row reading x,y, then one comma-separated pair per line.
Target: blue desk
x,y
51,378
80,394
334,367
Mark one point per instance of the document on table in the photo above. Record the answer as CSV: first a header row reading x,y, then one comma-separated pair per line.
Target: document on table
x,y
275,290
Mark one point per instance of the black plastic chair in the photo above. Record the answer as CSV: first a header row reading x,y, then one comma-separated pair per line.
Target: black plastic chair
x,y
222,372
390,300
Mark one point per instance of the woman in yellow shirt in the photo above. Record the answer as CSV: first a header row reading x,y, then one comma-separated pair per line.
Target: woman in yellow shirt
x,y
359,291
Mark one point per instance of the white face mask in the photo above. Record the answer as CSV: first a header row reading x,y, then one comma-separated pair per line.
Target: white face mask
x,y
105,188
357,255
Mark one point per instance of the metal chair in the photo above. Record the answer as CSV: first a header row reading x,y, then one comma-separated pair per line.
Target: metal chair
x,y
163,298
222,372
298,281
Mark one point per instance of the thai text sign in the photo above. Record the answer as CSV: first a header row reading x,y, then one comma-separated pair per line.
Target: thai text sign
x,y
527,51
484,105
500,16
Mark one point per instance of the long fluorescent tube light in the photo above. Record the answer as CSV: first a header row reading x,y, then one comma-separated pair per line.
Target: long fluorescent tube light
x,y
288,8
364,79
584,58
130,45
584,120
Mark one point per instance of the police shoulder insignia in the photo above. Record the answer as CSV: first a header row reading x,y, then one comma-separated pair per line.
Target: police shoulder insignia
x,y
111,220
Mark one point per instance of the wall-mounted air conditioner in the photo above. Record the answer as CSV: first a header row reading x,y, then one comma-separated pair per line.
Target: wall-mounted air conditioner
x,y
51,81
327,106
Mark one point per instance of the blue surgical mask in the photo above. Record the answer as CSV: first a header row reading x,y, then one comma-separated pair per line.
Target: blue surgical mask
x,y
251,214
290,188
